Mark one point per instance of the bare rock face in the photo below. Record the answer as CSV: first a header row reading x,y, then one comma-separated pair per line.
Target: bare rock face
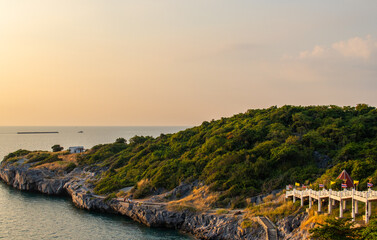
x,y
214,227
40,180
76,184
289,227
151,216
85,200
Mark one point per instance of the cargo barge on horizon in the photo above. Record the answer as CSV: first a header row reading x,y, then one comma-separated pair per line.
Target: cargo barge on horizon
x,y
36,132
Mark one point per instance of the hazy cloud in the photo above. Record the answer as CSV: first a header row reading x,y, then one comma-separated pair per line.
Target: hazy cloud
x,y
317,51
357,47
348,63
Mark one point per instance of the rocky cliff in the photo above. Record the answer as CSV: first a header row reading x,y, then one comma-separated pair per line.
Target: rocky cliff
x,y
289,227
77,185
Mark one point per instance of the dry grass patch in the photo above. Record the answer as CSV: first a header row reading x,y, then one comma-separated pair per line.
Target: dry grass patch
x,y
222,211
249,223
269,198
200,198
180,207
313,218
121,194
273,209
53,166
69,158
52,161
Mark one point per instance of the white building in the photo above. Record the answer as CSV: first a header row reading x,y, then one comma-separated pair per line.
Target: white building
x,y
77,149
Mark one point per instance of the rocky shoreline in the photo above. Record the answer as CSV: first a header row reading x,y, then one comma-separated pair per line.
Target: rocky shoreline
x,y
77,184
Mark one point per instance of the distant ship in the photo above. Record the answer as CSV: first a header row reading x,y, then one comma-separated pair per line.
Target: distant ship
x,y
80,132
36,132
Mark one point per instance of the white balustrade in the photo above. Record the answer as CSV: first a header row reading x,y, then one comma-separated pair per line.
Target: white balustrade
x,y
341,195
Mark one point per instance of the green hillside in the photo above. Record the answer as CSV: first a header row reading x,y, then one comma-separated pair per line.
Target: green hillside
x,y
249,153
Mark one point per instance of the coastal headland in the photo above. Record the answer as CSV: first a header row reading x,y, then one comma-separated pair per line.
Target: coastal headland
x,y
224,179
77,184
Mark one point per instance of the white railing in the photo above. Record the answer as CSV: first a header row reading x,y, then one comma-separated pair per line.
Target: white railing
x,y
328,193
373,193
367,197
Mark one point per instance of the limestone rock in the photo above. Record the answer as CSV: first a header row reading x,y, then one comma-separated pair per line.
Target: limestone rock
x,y
289,227
152,214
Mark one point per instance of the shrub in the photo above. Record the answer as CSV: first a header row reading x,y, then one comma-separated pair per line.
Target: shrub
x,y
238,202
70,167
51,158
37,156
57,148
335,229
18,153
109,197
12,159
247,223
142,189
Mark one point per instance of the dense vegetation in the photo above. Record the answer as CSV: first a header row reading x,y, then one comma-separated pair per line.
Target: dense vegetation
x,y
246,154
343,229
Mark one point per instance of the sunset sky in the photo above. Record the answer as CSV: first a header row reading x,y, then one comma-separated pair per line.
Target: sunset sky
x,y
176,62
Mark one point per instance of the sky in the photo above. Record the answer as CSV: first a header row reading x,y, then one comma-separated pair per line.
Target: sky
x,y
180,62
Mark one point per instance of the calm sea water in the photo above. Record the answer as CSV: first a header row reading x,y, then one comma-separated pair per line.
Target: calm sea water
x,y
25,215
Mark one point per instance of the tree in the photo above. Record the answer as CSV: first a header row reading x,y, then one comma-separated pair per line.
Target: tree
x,y
121,140
57,148
335,229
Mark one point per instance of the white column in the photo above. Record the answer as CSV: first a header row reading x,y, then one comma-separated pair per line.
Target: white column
x,y
302,199
366,212
344,204
294,196
353,205
370,208
341,209
310,202
330,205
356,207
319,205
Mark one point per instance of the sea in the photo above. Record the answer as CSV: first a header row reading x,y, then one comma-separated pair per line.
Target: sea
x,y
29,215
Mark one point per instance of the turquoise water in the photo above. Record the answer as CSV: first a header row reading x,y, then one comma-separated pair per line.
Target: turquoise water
x,y
25,215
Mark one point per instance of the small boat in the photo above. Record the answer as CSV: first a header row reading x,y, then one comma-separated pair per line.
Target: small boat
x,y
80,132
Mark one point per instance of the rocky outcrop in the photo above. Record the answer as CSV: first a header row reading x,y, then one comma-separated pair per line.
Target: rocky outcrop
x,y
40,180
289,227
77,185
220,227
